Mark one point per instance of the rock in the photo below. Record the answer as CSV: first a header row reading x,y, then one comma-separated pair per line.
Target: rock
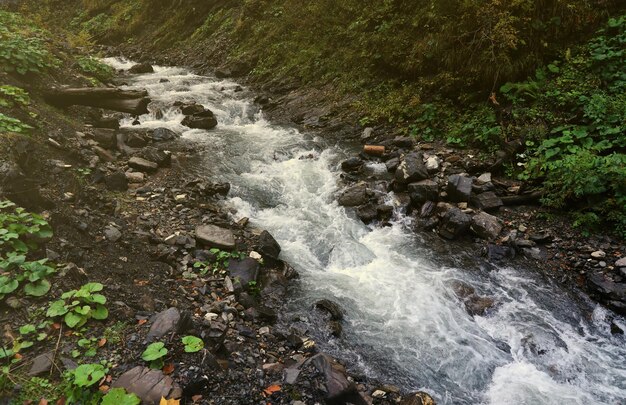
x,y
392,164
105,137
484,178
487,201
135,140
331,308
432,164
268,246
112,233
141,68
422,191
222,73
486,226
243,272
204,120
354,196
599,254
477,305
411,169
418,398
191,109
403,141
354,164
41,364
367,213
367,133
149,385
143,165
161,157
165,322
498,252
338,389
103,153
214,236
621,262
116,181
607,290
461,289
459,188
163,134
454,223
135,177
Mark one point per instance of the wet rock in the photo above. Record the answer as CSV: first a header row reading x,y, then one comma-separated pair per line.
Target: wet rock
x,y
214,236
141,68
116,181
461,289
205,120
418,398
135,140
478,305
161,157
164,322
411,169
454,223
354,196
149,385
191,109
367,213
392,164
613,294
331,308
459,188
243,272
338,389
534,253
354,164
163,134
105,137
142,165
268,246
422,191
486,226
41,364
498,252
112,233
487,201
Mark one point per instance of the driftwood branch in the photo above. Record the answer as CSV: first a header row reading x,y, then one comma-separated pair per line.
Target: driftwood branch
x,y
522,199
129,101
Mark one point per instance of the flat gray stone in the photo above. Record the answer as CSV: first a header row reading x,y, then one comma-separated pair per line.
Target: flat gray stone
x,y
621,262
112,234
41,364
143,165
164,323
214,236
149,385
487,201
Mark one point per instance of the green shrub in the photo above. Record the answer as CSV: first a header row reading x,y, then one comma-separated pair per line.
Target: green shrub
x,y
10,124
22,46
94,68
11,95
79,306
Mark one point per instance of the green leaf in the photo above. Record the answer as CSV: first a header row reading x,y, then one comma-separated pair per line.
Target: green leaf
x,y
27,329
192,344
87,375
100,312
154,351
118,396
8,285
57,308
72,319
38,288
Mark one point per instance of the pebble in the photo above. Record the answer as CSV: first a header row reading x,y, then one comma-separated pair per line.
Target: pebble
x,y
598,254
264,330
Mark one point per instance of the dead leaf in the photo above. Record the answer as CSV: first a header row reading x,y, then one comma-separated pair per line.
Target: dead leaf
x,y
18,356
493,99
169,401
102,342
272,389
109,378
196,398
142,321
168,369
61,401
103,388
56,326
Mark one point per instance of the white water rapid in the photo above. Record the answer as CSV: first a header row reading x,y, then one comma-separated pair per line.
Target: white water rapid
x,y
403,323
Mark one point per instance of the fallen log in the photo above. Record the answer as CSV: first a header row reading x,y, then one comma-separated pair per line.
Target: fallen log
x,y
522,199
129,101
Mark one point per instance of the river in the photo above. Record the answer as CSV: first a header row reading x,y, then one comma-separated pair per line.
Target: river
x,y
403,324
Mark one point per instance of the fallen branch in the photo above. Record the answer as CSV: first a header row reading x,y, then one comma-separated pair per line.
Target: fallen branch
x,y
128,101
522,199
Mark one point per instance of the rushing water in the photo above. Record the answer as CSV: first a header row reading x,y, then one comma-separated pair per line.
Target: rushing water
x,y
403,323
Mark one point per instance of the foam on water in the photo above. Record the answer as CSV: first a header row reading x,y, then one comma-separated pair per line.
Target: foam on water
x,y
403,322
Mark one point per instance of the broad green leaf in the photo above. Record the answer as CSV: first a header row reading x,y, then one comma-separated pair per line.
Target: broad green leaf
x,y
37,289
72,319
118,396
87,375
154,351
27,329
100,312
57,308
192,344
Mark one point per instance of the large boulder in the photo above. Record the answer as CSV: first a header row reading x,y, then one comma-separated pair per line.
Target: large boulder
x,y
191,109
459,188
163,134
411,169
354,196
268,246
454,223
214,236
486,226
141,68
203,120
422,191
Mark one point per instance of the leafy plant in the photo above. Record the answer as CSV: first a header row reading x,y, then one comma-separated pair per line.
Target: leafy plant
x,y
11,95
192,344
220,262
10,124
154,353
79,384
78,306
119,396
93,67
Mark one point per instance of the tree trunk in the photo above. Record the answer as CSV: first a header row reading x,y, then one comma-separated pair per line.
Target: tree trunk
x,y
128,101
